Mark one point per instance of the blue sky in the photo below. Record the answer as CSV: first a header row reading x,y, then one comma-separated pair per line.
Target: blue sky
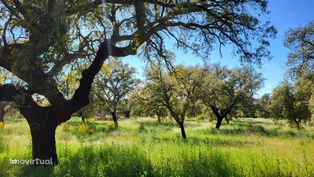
x,y
285,14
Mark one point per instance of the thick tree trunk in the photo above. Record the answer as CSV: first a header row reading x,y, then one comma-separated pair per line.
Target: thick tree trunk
x,y
115,119
43,144
219,121
1,112
43,122
182,130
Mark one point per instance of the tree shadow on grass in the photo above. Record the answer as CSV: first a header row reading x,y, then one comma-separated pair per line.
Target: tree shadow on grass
x,y
33,171
118,161
211,142
253,129
165,124
156,123
111,160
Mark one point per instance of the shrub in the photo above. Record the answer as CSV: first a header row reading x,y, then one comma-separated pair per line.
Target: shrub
x,y
84,129
1,125
65,127
200,117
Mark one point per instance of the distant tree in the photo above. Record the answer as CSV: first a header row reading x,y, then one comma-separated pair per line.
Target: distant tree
x,y
126,107
247,108
285,105
113,83
282,103
300,41
264,106
129,102
88,111
150,103
176,90
303,91
195,109
225,89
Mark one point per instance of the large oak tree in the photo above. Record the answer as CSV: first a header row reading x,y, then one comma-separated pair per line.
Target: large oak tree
x,y
40,38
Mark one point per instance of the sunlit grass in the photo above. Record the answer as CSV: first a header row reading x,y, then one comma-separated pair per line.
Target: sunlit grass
x,y
143,147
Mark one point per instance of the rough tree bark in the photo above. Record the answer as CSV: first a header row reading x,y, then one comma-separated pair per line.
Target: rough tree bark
x,y
43,123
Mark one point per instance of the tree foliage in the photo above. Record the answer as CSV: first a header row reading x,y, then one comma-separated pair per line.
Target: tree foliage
x,y
264,106
285,104
300,41
225,89
149,103
113,84
174,90
40,39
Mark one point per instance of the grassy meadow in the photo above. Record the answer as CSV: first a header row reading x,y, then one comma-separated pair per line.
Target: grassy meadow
x,y
143,147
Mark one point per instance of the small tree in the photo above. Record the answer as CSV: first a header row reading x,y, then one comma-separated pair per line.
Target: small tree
x,y
285,105
150,104
264,106
126,106
175,89
113,83
223,89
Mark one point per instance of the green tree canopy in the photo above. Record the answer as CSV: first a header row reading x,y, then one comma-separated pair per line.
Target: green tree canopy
x,y
224,89
285,104
40,39
300,41
174,90
114,83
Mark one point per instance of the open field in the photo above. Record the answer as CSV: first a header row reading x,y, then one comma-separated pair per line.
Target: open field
x,y
142,147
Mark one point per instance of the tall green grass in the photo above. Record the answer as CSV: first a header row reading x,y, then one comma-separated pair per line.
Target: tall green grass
x,y
144,148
